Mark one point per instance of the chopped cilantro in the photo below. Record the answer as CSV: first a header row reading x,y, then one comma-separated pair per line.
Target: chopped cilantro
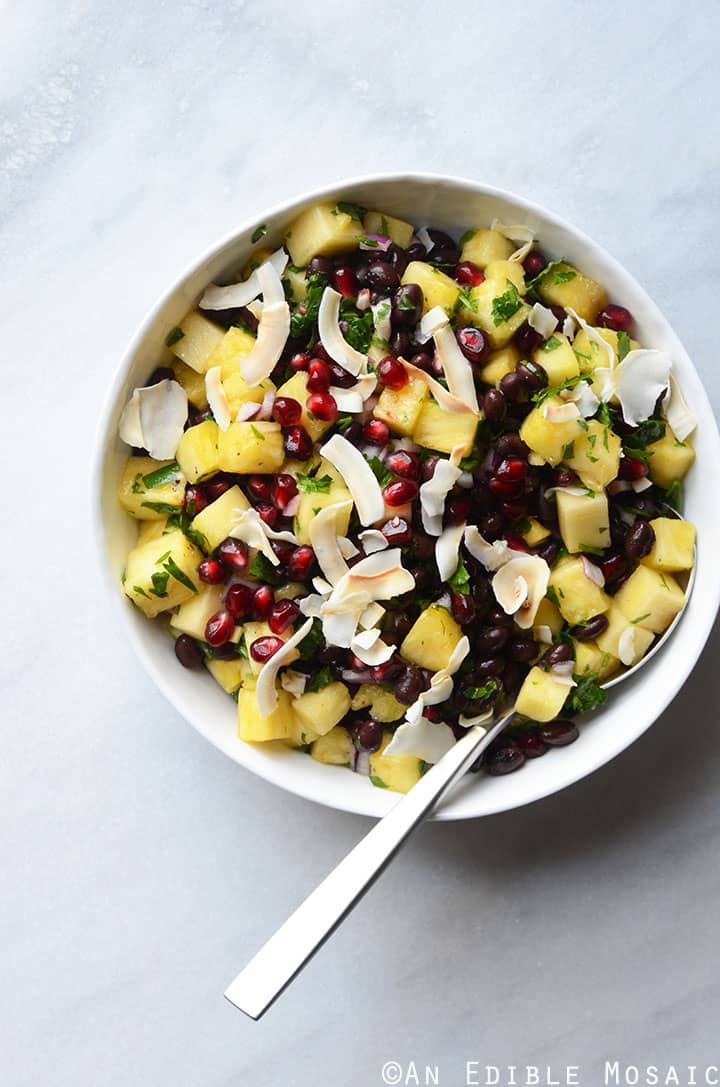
x,y
649,432
262,569
549,269
197,537
355,211
460,580
506,305
259,233
174,570
313,484
568,451
564,277
550,345
465,300
312,642
623,345
673,495
589,550
381,473
603,416
304,317
160,581
258,433
378,782
587,695
553,390
478,693
640,618
320,679
360,326
552,595
167,474
160,507
364,240
140,592
241,647
173,336
467,236
343,422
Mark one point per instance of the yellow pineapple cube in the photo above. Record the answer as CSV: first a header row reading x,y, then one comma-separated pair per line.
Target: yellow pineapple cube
x,y
335,748
496,306
197,451
192,382
312,502
563,285
674,547
591,660
151,489
595,455
192,616
153,530
535,533
437,288
319,711
253,728
400,409
258,628
443,430
234,346
584,520
578,598
549,440
296,280
213,524
400,232
162,573
250,447
199,339
483,247
321,231
296,389
541,697
500,363
669,460
432,638
557,359
229,674
549,616
395,772
637,643
383,705
650,599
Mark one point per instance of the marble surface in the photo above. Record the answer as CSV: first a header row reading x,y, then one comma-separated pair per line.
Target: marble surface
x,y
140,867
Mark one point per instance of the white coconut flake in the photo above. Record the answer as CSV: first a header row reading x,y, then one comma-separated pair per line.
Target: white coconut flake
x,y
255,308
458,371
362,302
445,399
377,577
491,555
324,541
369,647
640,485
638,381
332,338
348,550
372,540
293,682
371,616
216,398
562,673
516,233
429,324
677,413
352,400
358,477
627,650
543,320
248,526
520,586
595,337
543,634
584,399
381,318
266,407
561,413
272,333
569,329
593,573
265,690
478,720
447,550
248,410
320,585
436,489
154,419
576,492
426,740
424,238
237,295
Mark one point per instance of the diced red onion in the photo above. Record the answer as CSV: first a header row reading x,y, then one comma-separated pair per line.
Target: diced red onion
x,y
351,676
267,405
362,301
592,572
292,506
381,243
248,410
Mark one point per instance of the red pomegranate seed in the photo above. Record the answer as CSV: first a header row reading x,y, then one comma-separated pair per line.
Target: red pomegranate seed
x,y
535,263
259,488
392,373
564,477
375,432
286,411
262,649
283,615
301,563
458,510
462,608
632,468
344,281
233,554
617,318
403,464
301,361
505,489
322,406
298,443
399,492
284,551
469,274
215,488
397,531
516,542
211,571
514,510
194,501
219,628
318,379
239,601
263,600
284,489
511,471
268,513
473,343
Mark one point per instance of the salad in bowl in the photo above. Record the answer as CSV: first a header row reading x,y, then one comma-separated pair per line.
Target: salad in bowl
x,y
386,478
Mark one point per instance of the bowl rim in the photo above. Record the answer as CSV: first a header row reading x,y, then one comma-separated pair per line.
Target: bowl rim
x,y
275,771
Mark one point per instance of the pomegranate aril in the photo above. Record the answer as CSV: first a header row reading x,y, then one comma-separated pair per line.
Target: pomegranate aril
x,y
284,489
239,601
300,361
283,614
397,531
322,406
300,564
211,571
392,374
298,443
514,510
375,432
219,628
399,492
318,379
344,281
535,263
286,411
283,550
469,274
263,600
215,487
505,489
403,464
262,649
463,608
458,510
260,488
187,651
473,343
383,673
340,376
511,470
632,468
194,500
617,318
516,542
234,555
268,513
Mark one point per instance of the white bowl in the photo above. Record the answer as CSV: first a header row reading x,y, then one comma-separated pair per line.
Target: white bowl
x,y
453,205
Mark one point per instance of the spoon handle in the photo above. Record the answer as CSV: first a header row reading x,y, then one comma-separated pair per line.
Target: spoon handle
x,y
305,931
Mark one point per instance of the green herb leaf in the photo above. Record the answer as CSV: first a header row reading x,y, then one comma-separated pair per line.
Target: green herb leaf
x,y
553,390
623,345
568,451
159,507
640,618
259,233
303,319
381,473
197,537
465,238
313,484
460,580
320,679
564,277
174,570
312,643
140,592
364,240
603,416
173,336
504,306
258,433
355,211
673,495
586,696
262,569
649,432
160,581
479,693
169,473
551,345
552,595
377,782
550,269
360,326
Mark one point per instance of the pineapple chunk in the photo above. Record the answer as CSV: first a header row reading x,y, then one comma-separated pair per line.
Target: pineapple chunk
x,y
311,503
259,629
609,640
252,728
192,382
498,295
229,674
401,409
212,525
432,638
506,272
437,288
319,711
197,451
334,749
564,285
235,345
595,455
400,232
301,736
152,530
535,533
549,616
578,598
250,447
192,616
584,520
541,697
162,573
199,339
650,599
395,772
151,489
549,440
296,280
674,547
500,363
557,359
321,231
590,354
296,389
443,430
591,660
383,705
669,459
483,247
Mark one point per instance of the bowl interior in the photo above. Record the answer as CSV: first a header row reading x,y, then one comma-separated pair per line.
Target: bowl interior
x,y
453,205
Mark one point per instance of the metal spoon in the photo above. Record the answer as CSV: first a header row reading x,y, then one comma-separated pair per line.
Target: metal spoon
x,y
306,930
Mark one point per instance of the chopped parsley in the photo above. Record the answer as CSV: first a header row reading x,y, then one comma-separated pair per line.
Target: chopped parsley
x,y
371,242
639,618
479,693
312,643
304,317
355,211
378,782
460,580
174,570
552,595
169,473
673,495
551,345
381,473
553,268
568,451
586,696
259,233
649,432
140,592
262,569
623,345
159,582
467,236
258,433
313,484
506,305
320,679
360,326
173,336
160,507
553,390
565,276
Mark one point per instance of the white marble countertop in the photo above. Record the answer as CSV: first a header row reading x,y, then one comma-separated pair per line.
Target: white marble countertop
x,y
141,867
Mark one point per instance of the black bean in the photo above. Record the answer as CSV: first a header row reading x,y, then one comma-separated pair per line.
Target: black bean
x,y
398,257
511,445
407,306
504,760
639,540
489,666
397,625
382,276
440,238
522,649
533,375
492,639
590,630
527,339
423,546
341,377
320,266
188,652
512,386
408,686
559,733
162,373
513,676
492,526
416,251
399,344
368,735
494,406
428,467
531,745
423,362
499,618
557,654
